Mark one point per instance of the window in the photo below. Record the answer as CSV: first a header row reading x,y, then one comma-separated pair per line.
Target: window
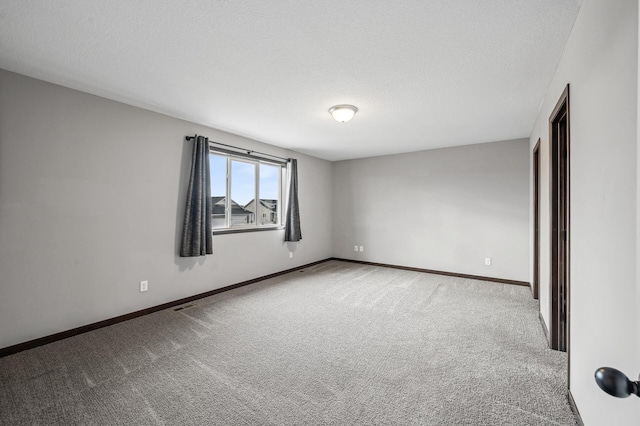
x,y
236,183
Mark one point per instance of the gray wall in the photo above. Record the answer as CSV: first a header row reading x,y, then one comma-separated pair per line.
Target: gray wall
x,y
444,209
600,63
91,202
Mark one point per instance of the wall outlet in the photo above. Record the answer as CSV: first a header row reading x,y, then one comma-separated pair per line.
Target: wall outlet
x,y
144,285
355,248
487,261
290,255
361,248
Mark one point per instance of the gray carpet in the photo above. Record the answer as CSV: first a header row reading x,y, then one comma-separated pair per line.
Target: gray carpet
x,y
336,344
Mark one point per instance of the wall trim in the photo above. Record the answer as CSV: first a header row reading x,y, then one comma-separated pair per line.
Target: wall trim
x,y
431,271
574,408
9,350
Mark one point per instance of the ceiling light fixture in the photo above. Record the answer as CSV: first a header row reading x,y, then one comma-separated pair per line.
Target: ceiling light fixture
x,y
343,113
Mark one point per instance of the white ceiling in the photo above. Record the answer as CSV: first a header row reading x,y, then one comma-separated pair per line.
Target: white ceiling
x,y
424,73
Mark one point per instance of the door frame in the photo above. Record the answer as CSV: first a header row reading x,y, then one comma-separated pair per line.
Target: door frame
x,y
559,144
536,222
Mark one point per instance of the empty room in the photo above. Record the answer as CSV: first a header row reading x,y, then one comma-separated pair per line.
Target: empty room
x,y
319,213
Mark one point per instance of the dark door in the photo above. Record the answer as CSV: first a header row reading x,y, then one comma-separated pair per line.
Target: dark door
x,y
559,138
536,220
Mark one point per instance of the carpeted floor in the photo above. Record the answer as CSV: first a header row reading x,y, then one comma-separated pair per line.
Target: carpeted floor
x,y
335,344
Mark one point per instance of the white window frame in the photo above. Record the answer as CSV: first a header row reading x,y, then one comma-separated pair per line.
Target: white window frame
x,y
256,226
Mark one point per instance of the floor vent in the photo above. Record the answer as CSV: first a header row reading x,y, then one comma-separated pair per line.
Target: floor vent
x,y
183,307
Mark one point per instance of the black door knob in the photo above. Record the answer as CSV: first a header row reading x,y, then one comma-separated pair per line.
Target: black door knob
x,y
616,383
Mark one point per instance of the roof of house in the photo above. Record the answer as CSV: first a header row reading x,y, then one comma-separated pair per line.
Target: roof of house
x,y
218,205
270,204
267,204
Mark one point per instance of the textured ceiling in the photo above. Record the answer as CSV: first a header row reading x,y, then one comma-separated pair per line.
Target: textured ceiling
x,y
423,73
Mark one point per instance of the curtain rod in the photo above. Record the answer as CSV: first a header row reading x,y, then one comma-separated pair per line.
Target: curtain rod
x,y
247,151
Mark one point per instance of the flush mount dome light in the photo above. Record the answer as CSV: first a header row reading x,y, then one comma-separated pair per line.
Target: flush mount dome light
x,y
343,113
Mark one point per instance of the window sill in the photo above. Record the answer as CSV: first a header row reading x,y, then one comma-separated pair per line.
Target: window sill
x,y
242,230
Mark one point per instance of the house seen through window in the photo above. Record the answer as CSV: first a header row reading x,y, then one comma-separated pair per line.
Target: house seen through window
x,y
246,192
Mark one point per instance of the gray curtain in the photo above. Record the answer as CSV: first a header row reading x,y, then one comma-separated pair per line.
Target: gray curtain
x,y
196,232
292,225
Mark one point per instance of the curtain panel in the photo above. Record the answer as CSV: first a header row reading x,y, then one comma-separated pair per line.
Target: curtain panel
x,y
292,220
197,239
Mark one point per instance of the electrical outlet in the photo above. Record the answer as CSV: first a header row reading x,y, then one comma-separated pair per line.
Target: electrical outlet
x,y
290,255
487,261
355,248
144,285
361,248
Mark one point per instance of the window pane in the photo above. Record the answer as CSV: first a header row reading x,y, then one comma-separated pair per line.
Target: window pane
x,y
235,185
269,189
243,192
218,166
